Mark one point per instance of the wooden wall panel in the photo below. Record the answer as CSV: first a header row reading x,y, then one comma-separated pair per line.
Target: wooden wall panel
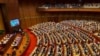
x,y
12,9
2,1
12,12
1,21
26,15
21,16
30,16
32,12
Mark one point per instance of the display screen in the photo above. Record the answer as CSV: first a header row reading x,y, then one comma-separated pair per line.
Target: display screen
x,y
14,22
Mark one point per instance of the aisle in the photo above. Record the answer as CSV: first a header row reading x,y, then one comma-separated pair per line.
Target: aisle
x,y
32,44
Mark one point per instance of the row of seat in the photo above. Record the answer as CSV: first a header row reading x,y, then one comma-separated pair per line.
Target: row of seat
x,y
5,42
17,41
6,39
62,39
67,50
74,5
87,25
12,41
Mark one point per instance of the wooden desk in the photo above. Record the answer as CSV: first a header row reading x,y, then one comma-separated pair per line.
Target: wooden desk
x,y
81,49
89,9
91,51
23,45
46,9
16,42
7,44
57,9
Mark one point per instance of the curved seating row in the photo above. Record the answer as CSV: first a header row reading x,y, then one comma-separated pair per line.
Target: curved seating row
x,y
62,39
90,26
6,42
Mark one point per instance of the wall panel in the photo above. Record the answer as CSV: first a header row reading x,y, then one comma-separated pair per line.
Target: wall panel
x,y
2,1
30,16
1,21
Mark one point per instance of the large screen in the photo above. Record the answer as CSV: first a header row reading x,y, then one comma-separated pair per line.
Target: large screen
x,y
14,22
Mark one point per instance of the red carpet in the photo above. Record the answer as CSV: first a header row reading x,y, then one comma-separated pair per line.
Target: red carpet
x,y
32,44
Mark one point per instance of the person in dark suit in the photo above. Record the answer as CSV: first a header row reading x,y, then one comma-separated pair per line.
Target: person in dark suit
x,y
14,52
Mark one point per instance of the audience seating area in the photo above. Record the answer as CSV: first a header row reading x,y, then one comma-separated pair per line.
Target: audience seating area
x,y
66,38
16,43
12,41
5,42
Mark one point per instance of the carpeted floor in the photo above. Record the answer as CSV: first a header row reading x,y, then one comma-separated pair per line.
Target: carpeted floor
x,y
32,44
